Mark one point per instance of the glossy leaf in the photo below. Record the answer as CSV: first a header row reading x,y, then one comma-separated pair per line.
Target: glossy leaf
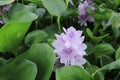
x,y
24,16
18,12
11,35
55,9
35,37
18,70
41,54
20,7
72,73
103,49
113,65
51,30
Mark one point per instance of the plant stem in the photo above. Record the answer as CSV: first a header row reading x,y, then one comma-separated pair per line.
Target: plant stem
x,y
93,74
116,78
58,22
23,1
17,1
95,29
67,2
51,19
36,23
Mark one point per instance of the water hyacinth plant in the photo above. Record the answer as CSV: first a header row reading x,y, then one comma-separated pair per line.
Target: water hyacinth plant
x,y
37,41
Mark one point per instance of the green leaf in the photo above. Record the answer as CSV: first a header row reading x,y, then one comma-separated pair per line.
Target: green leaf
x,y
34,1
5,2
40,12
72,73
67,2
52,30
18,70
20,12
102,16
116,25
11,35
2,60
117,54
20,7
55,7
70,12
95,39
35,37
103,49
24,16
117,2
90,47
105,60
41,54
113,65
99,75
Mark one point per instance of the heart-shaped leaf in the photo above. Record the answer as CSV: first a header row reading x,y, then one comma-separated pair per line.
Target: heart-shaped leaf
x,y
41,54
103,49
55,7
21,7
24,16
18,70
72,73
11,35
35,37
21,13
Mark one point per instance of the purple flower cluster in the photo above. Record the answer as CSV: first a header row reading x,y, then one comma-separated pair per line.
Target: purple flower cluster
x,y
4,10
83,14
69,47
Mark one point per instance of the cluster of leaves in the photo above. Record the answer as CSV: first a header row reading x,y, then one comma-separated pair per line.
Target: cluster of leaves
x,y
26,52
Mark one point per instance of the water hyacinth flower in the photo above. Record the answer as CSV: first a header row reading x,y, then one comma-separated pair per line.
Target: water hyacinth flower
x,y
83,14
70,48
